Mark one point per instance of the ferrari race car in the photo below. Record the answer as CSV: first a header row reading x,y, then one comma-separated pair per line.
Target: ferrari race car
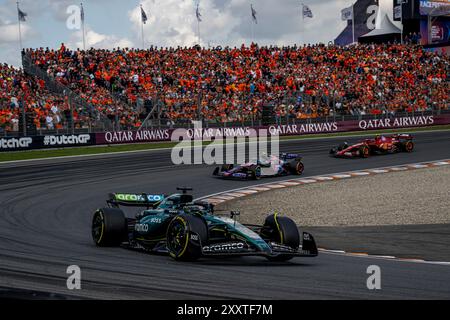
x,y
265,166
379,145
188,230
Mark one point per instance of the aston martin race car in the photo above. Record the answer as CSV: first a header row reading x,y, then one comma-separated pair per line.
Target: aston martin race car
x,y
379,145
188,230
265,166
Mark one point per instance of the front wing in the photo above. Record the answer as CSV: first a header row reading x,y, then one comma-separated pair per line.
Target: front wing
x,y
307,249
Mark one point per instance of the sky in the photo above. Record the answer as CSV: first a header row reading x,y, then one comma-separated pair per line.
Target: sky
x,y
117,23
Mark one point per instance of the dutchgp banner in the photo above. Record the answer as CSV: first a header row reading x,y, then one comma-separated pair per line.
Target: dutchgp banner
x,y
283,130
45,142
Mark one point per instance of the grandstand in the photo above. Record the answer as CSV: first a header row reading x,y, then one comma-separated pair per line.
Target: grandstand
x,y
119,89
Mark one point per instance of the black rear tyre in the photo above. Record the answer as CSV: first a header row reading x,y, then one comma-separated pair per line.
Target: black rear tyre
x,y
256,173
284,231
408,146
109,227
296,167
185,235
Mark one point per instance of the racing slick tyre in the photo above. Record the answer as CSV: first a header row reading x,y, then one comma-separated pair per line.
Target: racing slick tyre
x,y
296,167
216,171
109,227
185,235
284,231
364,151
256,173
408,146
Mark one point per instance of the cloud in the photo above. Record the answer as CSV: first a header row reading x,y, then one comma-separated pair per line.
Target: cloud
x,y
97,40
9,33
173,23
228,22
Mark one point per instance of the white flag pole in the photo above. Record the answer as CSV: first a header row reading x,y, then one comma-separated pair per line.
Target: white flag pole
x,y
198,16
82,28
252,22
303,26
142,30
401,20
353,22
253,32
198,31
20,29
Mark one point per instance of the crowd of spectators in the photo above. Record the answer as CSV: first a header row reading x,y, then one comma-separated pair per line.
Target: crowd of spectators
x,y
19,92
232,84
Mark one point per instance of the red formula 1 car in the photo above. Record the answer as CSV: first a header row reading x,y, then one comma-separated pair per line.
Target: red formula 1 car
x,y
379,145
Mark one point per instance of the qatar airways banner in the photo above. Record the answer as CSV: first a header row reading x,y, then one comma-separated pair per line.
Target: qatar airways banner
x,y
156,135
205,134
124,137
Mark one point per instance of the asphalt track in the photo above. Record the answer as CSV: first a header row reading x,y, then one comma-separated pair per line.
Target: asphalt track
x,y
46,209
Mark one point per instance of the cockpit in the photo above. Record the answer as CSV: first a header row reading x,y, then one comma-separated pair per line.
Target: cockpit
x,y
175,201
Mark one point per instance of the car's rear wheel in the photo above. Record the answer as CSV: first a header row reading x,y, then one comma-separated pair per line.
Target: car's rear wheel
x,y
109,227
185,235
364,151
284,231
297,167
408,146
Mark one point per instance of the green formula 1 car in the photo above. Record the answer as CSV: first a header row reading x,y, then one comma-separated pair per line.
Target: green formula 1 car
x,y
188,230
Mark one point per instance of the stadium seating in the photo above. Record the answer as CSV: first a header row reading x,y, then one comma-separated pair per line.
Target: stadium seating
x,y
233,84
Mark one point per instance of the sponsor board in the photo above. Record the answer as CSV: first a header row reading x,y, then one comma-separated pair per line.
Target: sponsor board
x,y
46,142
165,135
281,130
67,140
396,122
11,144
121,137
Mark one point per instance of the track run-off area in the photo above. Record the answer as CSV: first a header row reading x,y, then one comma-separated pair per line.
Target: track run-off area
x,y
47,206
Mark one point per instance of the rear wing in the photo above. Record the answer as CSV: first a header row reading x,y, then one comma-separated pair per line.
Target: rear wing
x,y
403,136
134,200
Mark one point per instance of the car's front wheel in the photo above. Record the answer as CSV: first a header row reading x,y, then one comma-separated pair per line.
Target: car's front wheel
x,y
185,235
364,151
284,231
256,173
